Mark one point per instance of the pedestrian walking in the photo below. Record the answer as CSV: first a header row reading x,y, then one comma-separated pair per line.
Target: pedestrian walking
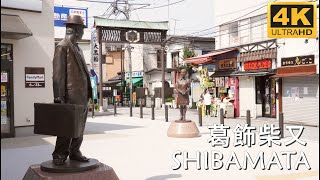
x,y
207,102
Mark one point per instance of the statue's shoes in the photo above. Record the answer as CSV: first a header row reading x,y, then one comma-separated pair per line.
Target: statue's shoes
x,y
79,158
59,161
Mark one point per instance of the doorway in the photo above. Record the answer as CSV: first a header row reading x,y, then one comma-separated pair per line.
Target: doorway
x,y
266,95
7,129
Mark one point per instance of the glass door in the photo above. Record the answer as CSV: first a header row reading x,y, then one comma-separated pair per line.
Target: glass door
x,y
7,129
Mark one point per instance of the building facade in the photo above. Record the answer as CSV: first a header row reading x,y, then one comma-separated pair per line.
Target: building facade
x,y
27,48
266,86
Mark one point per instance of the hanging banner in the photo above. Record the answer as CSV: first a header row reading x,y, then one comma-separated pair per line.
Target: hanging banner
x,y
95,52
94,87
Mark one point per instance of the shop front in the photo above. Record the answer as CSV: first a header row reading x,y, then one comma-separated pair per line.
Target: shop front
x,y
224,84
299,90
257,90
27,49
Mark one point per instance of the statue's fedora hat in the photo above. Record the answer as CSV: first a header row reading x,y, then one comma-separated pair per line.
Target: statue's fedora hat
x,y
75,19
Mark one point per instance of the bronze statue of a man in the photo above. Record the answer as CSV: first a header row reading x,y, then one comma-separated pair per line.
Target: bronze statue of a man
x,y
182,88
71,84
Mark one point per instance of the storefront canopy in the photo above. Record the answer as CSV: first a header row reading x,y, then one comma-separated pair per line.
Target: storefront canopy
x,y
207,58
12,27
222,73
135,81
254,73
297,71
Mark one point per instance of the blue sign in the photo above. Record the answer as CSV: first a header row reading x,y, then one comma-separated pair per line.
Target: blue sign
x,y
61,14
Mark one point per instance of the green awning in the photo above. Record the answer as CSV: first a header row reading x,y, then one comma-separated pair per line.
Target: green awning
x,y
135,81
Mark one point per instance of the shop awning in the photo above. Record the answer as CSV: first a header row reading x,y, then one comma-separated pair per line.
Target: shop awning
x,y
297,71
207,58
253,73
12,27
135,81
222,74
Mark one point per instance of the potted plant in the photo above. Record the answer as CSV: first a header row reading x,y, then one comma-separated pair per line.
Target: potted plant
x,y
169,101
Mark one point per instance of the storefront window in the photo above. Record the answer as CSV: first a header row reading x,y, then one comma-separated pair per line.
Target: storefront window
x,y
6,52
259,89
6,90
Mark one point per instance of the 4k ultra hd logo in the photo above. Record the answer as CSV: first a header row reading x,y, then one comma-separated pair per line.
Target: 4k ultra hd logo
x,y
292,20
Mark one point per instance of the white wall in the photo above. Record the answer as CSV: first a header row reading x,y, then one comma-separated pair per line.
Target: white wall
x,y
172,49
247,96
86,48
34,51
136,58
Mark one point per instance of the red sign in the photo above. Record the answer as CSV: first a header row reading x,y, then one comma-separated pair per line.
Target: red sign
x,y
260,64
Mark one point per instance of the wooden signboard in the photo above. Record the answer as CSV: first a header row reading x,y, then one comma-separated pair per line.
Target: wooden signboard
x,y
228,63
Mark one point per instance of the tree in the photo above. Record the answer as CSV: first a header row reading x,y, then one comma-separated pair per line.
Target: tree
x,y
188,53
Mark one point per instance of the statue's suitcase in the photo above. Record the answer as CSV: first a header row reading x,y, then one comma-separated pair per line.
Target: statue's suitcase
x,y
64,120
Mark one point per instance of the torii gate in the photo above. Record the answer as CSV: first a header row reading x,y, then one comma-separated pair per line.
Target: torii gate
x,y
126,31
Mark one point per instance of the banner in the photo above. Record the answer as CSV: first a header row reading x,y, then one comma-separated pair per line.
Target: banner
x,y
95,52
61,14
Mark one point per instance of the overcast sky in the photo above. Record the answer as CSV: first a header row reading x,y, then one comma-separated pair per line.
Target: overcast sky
x,y
185,17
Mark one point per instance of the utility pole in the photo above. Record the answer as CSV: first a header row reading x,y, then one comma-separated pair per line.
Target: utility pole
x,y
128,48
122,77
100,72
163,75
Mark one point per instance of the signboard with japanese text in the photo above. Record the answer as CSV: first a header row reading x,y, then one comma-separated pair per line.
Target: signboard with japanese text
x,y
134,74
61,14
255,65
34,77
95,52
228,63
297,61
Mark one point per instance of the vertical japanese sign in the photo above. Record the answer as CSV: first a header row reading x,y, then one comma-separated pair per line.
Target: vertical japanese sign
x,y
95,52
61,14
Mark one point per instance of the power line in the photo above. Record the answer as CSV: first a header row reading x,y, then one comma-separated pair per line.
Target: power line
x,y
109,2
229,21
165,5
233,12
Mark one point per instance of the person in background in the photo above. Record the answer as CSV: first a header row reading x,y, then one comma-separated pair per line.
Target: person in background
x,y
207,101
134,98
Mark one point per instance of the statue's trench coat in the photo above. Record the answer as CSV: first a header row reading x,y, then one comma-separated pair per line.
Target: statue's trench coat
x,y
71,78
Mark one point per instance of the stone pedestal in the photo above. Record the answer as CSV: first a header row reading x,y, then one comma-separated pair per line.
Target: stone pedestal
x,y
102,172
183,129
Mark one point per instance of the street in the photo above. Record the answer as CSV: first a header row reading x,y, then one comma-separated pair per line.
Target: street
x,y
139,149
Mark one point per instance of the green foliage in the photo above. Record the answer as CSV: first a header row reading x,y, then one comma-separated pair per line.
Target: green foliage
x,y
208,84
188,53
169,99
194,105
96,107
